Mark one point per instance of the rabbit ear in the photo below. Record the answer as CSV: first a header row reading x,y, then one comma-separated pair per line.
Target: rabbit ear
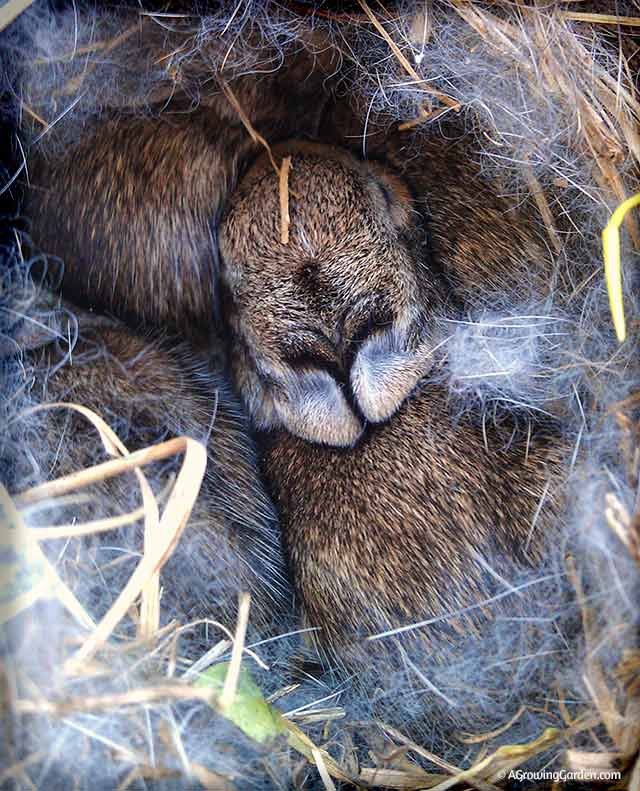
x,y
398,198
384,373
312,406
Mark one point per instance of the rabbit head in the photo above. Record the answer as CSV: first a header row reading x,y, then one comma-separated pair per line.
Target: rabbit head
x,y
334,327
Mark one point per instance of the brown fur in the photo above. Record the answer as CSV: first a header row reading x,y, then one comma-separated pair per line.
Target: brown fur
x,y
345,286
132,208
487,239
331,333
114,210
486,242
394,529
149,391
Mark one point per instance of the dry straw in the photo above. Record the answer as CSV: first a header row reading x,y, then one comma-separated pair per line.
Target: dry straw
x,y
161,534
160,539
11,10
281,171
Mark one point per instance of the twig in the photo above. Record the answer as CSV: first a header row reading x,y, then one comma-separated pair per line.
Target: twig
x,y
601,19
11,10
133,697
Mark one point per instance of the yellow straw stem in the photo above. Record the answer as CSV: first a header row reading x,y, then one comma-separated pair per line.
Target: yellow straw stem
x,y
612,268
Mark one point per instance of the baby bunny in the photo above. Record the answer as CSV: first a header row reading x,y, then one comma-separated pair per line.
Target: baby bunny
x,y
132,207
148,391
390,512
343,303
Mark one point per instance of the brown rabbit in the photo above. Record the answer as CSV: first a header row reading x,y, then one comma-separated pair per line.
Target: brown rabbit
x,y
115,209
331,335
148,391
132,207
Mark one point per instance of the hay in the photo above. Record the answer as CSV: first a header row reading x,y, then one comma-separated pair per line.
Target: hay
x,y
564,132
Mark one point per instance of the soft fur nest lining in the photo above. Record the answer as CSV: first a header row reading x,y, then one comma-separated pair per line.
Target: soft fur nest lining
x,y
545,96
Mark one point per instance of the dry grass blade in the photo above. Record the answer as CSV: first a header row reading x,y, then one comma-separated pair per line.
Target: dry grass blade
x,y
607,109
322,770
304,745
11,11
86,528
620,523
146,773
149,620
120,751
133,697
246,122
34,115
397,779
478,738
31,564
447,100
282,172
601,19
100,472
422,117
481,785
18,768
591,763
497,32
285,218
74,85
594,677
159,542
233,674
172,523
105,46
210,780
543,207
505,758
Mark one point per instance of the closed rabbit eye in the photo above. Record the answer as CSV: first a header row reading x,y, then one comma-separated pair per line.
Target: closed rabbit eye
x,y
370,315
386,193
394,192
360,328
311,349
309,361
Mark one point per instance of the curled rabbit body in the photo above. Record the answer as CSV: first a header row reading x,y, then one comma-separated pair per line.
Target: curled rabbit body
x,y
131,207
148,391
391,512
